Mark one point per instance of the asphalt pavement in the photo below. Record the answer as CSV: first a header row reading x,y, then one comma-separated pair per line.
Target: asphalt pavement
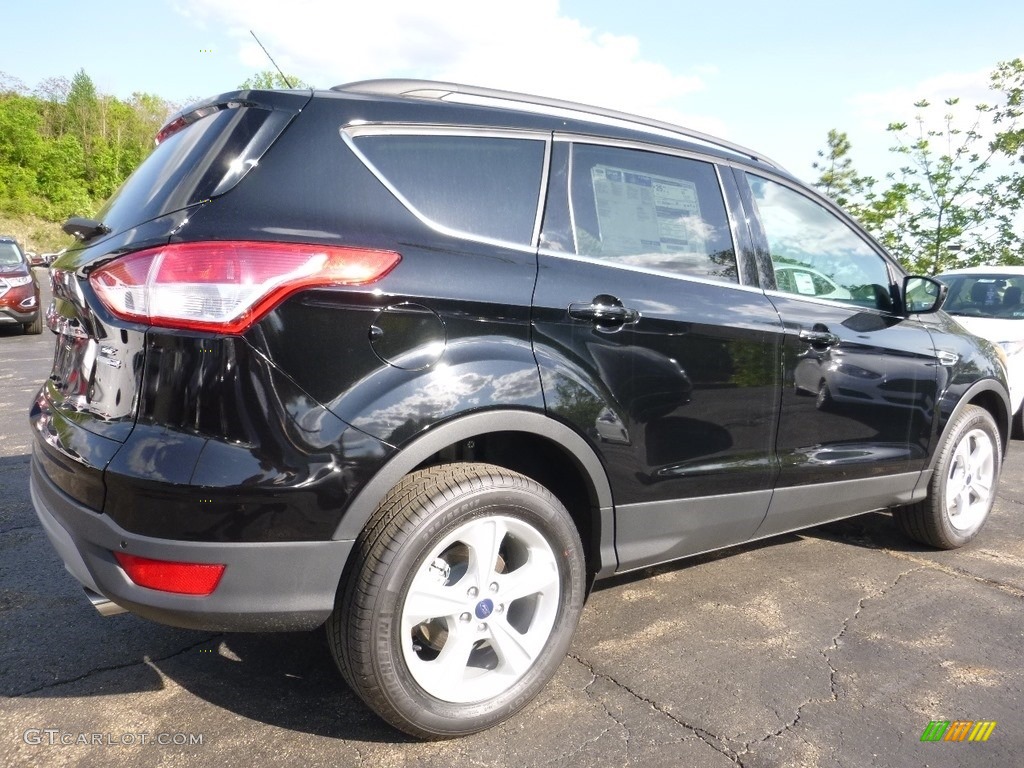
x,y
834,647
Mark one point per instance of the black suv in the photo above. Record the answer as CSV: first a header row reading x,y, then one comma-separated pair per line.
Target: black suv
x,y
421,361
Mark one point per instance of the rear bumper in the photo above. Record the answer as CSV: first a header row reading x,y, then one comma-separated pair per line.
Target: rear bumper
x,y
267,586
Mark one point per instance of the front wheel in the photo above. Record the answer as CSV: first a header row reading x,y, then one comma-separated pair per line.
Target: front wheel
x,y
462,599
36,326
963,485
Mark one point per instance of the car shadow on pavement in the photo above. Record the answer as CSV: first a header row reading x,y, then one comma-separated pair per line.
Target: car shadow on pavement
x,y
874,530
54,646
287,680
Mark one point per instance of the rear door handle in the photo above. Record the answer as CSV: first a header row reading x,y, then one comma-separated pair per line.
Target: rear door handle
x,y
819,336
604,311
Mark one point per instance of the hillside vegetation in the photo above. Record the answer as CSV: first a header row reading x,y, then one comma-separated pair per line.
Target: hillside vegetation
x,y
64,149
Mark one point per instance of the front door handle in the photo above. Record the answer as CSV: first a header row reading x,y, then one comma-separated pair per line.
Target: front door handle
x,y
604,311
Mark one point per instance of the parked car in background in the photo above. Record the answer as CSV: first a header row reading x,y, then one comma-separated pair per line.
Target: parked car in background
x,y
988,302
419,362
19,289
48,258
799,278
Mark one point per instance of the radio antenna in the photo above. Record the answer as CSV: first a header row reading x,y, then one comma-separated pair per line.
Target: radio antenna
x,y
283,77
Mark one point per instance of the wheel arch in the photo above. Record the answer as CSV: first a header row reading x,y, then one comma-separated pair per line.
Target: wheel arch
x,y
528,442
988,394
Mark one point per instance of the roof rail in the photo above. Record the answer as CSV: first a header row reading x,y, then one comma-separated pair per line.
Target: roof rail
x,y
471,94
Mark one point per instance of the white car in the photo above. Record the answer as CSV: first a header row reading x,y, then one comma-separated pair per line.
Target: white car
x,y
988,302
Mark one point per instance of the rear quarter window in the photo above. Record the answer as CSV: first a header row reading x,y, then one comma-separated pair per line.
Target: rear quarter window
x,y
199,162
482,186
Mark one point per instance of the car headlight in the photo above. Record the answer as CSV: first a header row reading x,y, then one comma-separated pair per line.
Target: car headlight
x,y
14,282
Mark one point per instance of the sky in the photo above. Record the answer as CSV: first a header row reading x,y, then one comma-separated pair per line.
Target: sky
x,y
773,76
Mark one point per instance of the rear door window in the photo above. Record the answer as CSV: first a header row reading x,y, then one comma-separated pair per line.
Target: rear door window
x,y
645,209
482,186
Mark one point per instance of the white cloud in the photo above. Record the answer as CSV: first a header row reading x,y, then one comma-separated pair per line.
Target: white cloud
x,y
525,46
898,103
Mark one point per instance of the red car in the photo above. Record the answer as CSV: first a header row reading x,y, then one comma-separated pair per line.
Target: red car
x,y
19,289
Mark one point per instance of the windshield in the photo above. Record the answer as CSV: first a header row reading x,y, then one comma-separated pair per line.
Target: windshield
x,y
10,256
984,295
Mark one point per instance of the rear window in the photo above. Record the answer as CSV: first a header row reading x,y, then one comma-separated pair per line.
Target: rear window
x,y
478,185
203,160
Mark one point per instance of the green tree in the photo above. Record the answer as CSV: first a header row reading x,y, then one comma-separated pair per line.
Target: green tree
x,y
65,148
83,115
954,200
838,179
21,149
957,207
52,96
270,79
1008,78
61,179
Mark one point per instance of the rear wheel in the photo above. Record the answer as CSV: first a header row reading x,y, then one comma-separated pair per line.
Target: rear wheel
x,y
963,485
465,590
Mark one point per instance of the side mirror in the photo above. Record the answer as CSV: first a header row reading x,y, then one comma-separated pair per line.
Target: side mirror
x,y
922,295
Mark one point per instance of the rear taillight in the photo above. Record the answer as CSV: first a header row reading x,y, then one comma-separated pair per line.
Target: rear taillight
x,y
169,576
226,286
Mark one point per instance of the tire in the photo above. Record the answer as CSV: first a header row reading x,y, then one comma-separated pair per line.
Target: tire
x,y
963,486
36,326
439,640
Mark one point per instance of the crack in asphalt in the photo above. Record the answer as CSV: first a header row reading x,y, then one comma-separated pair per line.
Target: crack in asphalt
x,y
955,572
608,711
5,531
144,661
720,744
833,672
864,539
562,758
716,743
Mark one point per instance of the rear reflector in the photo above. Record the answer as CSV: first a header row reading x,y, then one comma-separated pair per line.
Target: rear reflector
x,y
167,576
226,286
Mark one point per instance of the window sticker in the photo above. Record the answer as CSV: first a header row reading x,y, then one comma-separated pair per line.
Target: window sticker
x,y
804,283
644,213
